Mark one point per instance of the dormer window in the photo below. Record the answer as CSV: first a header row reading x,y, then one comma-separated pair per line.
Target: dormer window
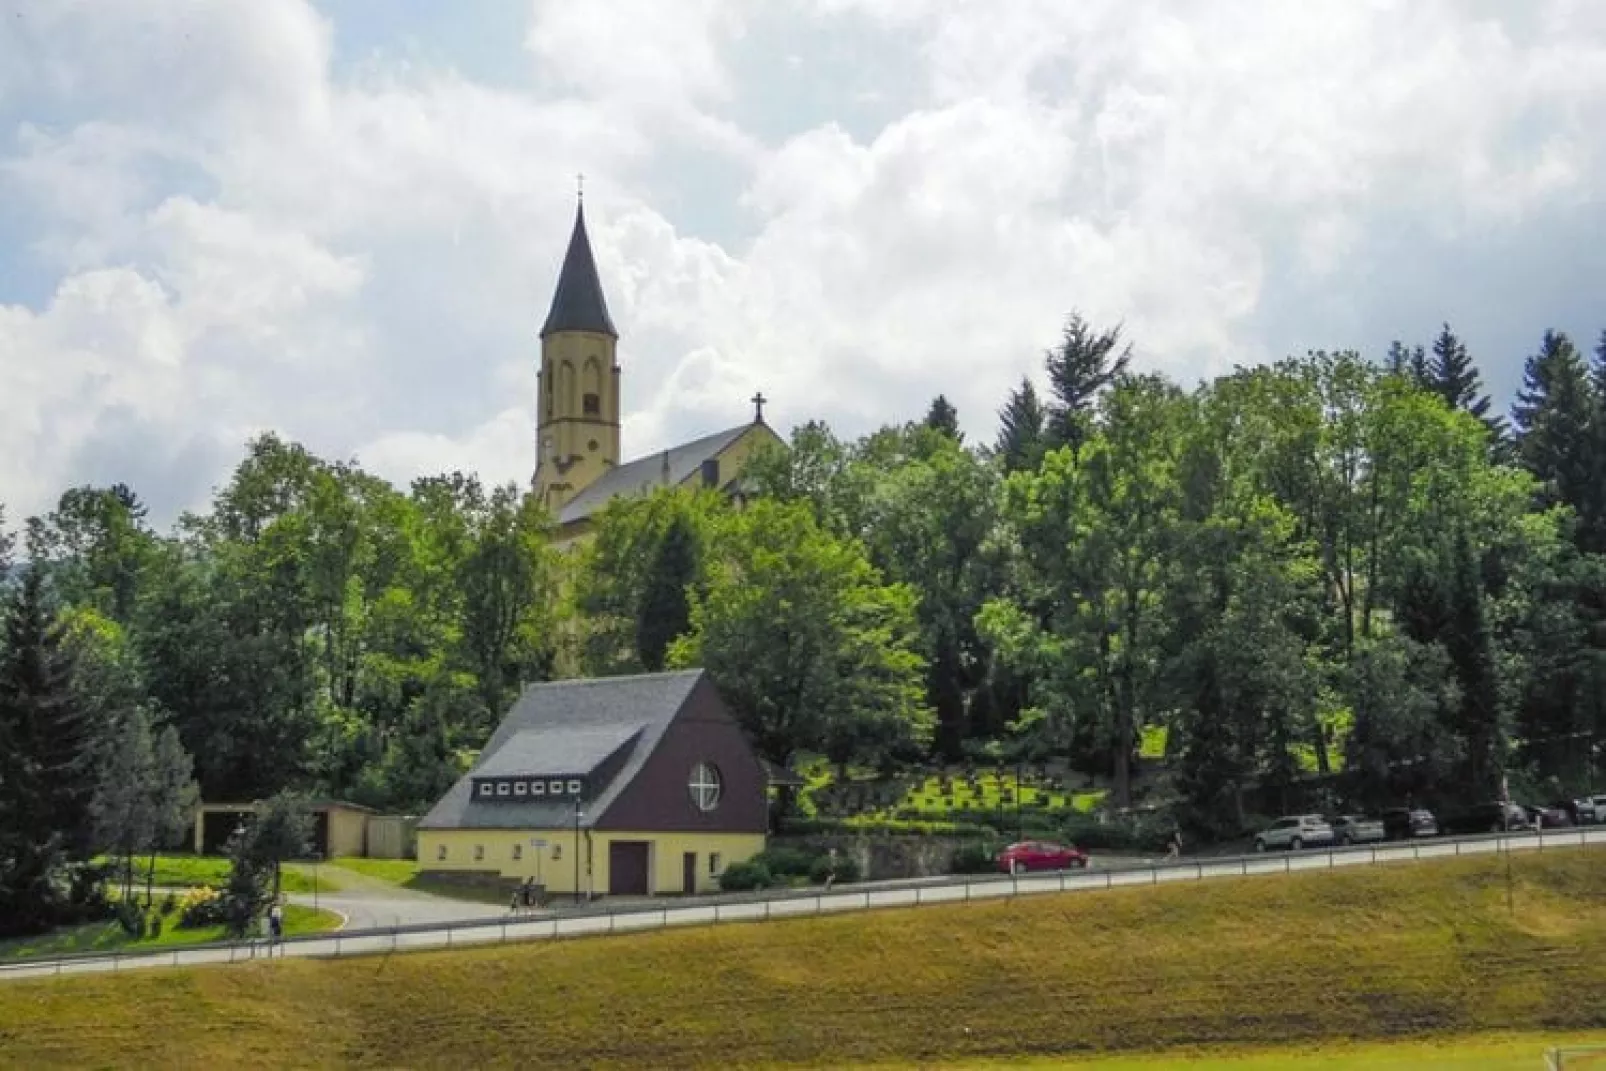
x,y
503,788
555,787
537,788
574,788
485,788
520,788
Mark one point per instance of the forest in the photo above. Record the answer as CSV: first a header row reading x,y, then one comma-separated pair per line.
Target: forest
x,y
1334,567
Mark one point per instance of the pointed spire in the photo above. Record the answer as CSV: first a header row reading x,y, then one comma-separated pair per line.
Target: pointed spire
x,y
578,304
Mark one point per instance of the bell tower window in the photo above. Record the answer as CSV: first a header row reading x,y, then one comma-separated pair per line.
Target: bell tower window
x,y
591,405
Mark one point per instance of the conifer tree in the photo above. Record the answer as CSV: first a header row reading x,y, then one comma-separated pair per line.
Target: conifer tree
x,y
1411,362
1020,429
943,417
1083,365
665,611
1452,375
1552,418
1467,641
45,776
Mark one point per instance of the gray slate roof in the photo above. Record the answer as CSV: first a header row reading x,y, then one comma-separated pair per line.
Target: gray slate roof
x,y
639,477
575,720
578,304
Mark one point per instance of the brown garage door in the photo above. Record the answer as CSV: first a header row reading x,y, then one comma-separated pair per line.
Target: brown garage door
x,y
627,868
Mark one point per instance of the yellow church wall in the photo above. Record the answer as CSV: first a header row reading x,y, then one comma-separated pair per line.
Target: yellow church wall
x,y
489,851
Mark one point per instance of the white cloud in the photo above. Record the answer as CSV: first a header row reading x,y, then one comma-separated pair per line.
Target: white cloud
x,y
244,234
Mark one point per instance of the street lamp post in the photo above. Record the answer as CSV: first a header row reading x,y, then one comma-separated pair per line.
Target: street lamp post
x,y
577,816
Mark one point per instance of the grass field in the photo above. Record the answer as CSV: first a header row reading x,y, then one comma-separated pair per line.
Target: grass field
x,y
213,870
110,936
404,874
1410,952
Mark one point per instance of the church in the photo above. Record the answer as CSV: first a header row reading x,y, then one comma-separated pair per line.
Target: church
x,y
577,469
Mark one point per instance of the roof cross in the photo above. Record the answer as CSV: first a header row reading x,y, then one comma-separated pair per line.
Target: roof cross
x,y
758,401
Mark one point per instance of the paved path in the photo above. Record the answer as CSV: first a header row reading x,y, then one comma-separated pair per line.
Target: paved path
x,y
599,920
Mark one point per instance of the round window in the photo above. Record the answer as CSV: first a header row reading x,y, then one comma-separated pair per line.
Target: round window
x,y
705,785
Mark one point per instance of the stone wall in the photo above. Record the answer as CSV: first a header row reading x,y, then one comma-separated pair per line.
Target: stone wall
x,y
883,857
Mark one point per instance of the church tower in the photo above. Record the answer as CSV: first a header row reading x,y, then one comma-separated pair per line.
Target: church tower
x,y
577,426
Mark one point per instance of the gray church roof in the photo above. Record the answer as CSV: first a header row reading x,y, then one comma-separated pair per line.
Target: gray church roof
x,y
667,468
554,725
578,304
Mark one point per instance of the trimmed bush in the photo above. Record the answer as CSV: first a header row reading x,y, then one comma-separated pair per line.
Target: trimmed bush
x,y
745,876
977,857
787,862
201,907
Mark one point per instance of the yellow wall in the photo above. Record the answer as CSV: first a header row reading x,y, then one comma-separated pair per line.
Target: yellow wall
x,y
555,868
576,534
561,418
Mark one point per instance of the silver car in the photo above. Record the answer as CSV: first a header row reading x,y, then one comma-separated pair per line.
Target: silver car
x,y
1295,832
1356,829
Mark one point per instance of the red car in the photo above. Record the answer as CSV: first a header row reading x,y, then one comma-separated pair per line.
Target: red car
x,y
1040,855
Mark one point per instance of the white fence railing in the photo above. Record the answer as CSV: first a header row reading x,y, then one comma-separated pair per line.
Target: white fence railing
x,y
600,919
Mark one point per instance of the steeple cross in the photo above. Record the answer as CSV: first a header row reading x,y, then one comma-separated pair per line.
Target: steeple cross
x,y
758,401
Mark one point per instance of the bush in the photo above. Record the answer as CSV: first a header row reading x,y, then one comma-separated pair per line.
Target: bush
x,y
745,876
131,919
201,906
977,857
155,930
1120,834
169,904
787,862
845,867
875,824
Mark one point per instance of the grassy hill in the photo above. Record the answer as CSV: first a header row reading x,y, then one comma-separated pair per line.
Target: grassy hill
x,y
1374,954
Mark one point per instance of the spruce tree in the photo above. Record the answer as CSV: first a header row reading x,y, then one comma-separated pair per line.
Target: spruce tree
x,y
1084,364
943,417
1467,641
665,610
45,764
1410,362
1020,429
1552,417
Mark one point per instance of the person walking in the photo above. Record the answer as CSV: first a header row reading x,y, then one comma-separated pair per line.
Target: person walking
x,y
275,927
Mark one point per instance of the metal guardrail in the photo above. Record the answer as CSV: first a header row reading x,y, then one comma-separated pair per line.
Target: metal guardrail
x,y
603,918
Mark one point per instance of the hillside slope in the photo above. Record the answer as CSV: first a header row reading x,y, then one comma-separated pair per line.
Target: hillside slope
x,y
1373,953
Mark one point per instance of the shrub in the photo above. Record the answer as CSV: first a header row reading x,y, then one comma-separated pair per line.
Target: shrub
x,y
1149,834
155,930
788,862
977,857
846,868
745,876
169,904
201,906
131,919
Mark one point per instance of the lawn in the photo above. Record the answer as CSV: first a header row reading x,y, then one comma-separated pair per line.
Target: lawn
x,y
110,936
1408,952
184,871
1478,1052
404,874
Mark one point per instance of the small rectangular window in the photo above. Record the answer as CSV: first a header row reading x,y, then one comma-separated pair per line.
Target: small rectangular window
x,y
713,864
518,851
440,852
503,788
485,788
520,788
479,852
574,788
537,788
592,404
556,788
557,851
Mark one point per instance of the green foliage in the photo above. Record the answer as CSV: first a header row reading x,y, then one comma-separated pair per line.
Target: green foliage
x,y
787,862
745,877
812,650
975,857
842,870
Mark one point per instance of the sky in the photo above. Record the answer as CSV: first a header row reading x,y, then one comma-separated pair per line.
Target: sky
x,y
342,221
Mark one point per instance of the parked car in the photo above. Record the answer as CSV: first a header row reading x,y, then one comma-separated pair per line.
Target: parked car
x,y
1549,817
1495,817
1040,855
1356,829
1403,823
1295,832
1597,808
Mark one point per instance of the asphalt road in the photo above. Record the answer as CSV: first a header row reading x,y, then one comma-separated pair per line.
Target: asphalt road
x,y
481,924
